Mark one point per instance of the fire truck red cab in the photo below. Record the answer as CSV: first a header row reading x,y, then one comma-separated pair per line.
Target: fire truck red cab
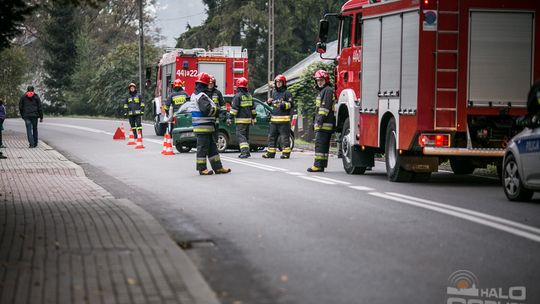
x,y
226,64
425,81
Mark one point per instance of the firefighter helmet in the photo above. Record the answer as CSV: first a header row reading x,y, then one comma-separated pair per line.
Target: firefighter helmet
x,y
131,84
322,74
242,82
203,78
281,78
178,83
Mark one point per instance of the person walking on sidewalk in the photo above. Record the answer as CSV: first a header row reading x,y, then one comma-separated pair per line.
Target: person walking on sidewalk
x,y
177,98
30,110
245,114
217,98
203,111
280,121
134,109
2,118
324,120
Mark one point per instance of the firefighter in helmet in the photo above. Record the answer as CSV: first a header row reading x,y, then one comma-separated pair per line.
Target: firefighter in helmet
x,y
280,122
203,111
244,112
324,120
217,98
134,108
177,98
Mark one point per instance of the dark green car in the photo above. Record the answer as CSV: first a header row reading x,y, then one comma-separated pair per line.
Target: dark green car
x,y
184,139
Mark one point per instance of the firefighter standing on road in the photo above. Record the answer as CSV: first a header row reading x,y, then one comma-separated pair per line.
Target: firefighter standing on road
x,y
280,122
134,107
244,112
203,111
324,120
217,98
177,98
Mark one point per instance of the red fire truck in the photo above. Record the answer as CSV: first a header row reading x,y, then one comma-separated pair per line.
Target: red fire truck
x,y
425,81
227,64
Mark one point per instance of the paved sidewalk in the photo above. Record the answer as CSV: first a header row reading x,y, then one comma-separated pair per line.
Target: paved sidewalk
x,y
64,239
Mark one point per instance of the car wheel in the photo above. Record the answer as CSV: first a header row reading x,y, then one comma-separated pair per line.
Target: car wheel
x,y
461,166
347,151
222,142
513,186
159,128
394,171
182,148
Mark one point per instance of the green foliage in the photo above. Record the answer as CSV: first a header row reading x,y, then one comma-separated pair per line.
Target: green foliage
x,y
13,71
305,91
118,69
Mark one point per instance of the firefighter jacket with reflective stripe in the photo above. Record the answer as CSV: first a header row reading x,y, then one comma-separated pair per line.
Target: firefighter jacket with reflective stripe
x,y
243,108
217,98
177,99
134,104
325,118
203,113
282,106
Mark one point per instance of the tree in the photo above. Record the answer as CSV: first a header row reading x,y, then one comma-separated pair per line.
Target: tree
x,y
305,90
59,44
13,71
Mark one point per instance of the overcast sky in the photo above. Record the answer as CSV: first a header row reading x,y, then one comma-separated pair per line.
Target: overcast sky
x,y
172,16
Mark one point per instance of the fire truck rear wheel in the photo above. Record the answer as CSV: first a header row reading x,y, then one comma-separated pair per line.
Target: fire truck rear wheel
x,y
461,166
347,151
394,171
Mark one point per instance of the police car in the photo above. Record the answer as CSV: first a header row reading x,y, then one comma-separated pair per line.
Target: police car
x,y
521,169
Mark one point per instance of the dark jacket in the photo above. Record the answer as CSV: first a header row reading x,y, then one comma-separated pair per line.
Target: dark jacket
x,y
282,105
176,99
325,118
30,106
134,104
2,113
533,99
217,98
242,107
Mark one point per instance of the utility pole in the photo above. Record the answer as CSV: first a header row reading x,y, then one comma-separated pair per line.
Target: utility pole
x,y
141,48
270,44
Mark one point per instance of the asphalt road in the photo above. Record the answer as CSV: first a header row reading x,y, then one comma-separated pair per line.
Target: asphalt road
x,y
270,232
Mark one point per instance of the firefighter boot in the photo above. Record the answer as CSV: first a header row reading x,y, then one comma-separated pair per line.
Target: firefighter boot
x,y
285,155
206,172
223,171
315,169
243,155
270,153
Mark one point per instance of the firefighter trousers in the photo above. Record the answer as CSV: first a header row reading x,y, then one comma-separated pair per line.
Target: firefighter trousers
x,y
322,147
135,123
206,148
242,132
279,131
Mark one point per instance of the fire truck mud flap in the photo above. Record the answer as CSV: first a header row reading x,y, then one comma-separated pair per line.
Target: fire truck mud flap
x,y
419,164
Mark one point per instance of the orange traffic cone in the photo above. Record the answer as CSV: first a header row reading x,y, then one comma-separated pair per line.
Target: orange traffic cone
x,y
168,148
131,141
165,143
139,140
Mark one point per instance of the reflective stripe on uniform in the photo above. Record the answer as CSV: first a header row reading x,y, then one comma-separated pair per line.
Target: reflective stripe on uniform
x,y
324,111
287,105
234,111
201,160
242,120
321,156
244,145
214,158
286,150
271,150
200,120
285,118
325,127
203,129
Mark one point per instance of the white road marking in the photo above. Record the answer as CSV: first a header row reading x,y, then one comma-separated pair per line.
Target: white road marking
x,y
465,216
332,180
471,212
317,180
246,164
361,188
255,164
77,127
295,173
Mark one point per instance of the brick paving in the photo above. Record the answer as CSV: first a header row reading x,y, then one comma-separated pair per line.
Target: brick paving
x,y
64,239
